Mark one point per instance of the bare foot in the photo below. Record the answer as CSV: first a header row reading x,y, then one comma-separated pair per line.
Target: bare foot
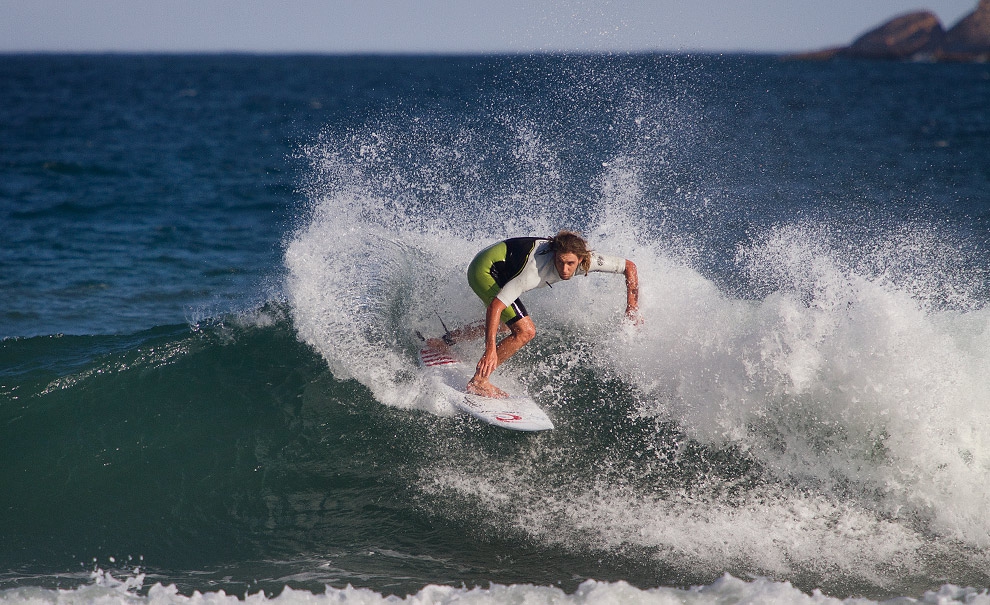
x,y
483,387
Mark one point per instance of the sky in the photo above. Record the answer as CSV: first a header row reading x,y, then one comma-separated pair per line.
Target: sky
x,y
448,26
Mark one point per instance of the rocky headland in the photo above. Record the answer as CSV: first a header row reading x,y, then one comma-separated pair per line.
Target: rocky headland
x,y
919,36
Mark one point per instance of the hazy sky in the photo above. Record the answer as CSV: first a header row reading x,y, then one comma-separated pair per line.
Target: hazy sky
x,y
448,26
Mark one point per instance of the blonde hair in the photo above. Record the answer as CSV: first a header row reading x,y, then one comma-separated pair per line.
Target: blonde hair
x,y
569,241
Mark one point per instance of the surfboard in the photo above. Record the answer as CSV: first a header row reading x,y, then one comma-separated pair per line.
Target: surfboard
x,y
517,412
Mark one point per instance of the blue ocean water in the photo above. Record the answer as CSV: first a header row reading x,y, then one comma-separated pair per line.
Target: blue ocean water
x,y
214,268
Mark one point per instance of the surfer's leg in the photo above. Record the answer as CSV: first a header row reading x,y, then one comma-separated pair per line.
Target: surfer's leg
x,y
481,277
523,330
471,331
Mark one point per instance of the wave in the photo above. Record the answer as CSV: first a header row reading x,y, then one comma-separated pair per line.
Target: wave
x,y
811,411
805,407
684,449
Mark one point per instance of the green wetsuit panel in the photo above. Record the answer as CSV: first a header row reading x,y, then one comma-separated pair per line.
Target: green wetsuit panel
x,y
496,265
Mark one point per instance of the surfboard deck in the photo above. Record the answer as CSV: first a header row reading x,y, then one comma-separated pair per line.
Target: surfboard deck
x,y
517,413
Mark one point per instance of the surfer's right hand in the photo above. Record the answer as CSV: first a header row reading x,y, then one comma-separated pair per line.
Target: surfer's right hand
x,y
488,363
633,317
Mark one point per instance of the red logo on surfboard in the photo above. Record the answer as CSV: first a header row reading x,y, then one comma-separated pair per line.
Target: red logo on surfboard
x,y
508,417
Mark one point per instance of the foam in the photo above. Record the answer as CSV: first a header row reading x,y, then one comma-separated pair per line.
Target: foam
x,y
838,380
727,589
771,531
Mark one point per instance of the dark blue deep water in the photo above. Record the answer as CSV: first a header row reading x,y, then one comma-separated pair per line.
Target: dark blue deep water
x,y
213,269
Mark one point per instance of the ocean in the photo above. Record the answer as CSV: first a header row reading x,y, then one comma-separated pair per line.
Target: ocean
x,y
214,269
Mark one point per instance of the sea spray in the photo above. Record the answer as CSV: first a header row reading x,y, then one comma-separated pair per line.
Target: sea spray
x,y
840,382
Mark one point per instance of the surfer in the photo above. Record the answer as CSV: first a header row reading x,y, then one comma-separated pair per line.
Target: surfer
x,y
500,273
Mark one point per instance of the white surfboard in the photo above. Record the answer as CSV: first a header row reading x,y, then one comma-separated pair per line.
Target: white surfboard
x,y
518,413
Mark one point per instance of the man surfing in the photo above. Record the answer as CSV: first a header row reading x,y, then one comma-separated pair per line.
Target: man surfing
x,y
500,273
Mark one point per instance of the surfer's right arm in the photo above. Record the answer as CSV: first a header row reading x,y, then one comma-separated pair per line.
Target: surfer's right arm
x,y
493,318
632,292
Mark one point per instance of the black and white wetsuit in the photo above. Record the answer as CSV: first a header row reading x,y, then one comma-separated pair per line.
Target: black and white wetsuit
x,y
507,269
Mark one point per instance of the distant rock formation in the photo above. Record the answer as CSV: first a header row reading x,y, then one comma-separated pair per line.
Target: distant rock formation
x,y
919,35
971,36
903,37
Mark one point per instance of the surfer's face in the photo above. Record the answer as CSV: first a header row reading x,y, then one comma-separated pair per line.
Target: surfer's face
x,y
566,264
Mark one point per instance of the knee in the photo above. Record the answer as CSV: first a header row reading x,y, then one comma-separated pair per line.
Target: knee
x,y
524,330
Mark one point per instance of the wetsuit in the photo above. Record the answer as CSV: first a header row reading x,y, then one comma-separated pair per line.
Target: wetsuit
x,y
507,269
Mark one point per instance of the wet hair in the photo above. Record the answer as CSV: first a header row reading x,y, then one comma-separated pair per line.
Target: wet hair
x,y
569,241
